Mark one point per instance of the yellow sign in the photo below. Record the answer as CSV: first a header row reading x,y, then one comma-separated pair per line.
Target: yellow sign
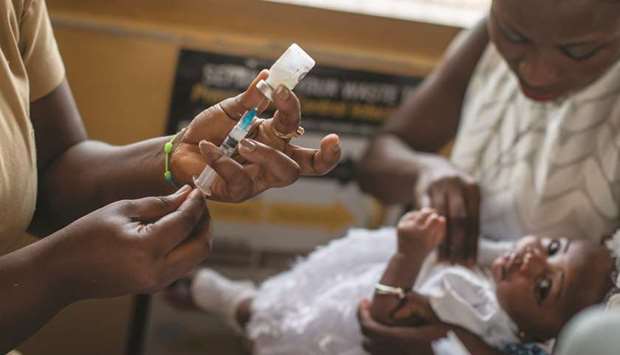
x,y
331,217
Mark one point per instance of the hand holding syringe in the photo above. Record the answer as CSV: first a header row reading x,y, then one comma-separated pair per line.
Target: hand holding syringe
x,y
241,129
288,70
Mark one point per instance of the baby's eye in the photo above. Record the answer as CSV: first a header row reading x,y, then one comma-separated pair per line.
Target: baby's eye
x,y
543,287
553,247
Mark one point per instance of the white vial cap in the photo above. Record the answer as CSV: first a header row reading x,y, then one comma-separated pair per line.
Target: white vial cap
x,y
288,70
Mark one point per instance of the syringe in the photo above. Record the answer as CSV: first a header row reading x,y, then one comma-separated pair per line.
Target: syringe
x,y
288,70
241,129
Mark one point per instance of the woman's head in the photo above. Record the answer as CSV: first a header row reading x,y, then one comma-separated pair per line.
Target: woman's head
x,y
542,283
556,47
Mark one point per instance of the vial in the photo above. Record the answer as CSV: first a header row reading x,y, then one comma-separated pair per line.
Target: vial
x,y
288,70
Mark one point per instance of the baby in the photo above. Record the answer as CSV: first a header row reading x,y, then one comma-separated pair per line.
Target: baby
x,y
528,294
531,292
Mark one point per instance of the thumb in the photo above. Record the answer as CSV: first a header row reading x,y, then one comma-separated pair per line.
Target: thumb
x,y
236,106
150,209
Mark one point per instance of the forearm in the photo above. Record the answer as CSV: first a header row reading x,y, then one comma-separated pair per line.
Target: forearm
x,y
92,174
27,294
424,123
390,166
402,271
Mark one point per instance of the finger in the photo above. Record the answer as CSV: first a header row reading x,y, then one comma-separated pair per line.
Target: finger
x,y
439,228
150,209
416,305
236,106
189,254
407,311
473,221
423,217
409,215
276,168
457,216
317,162
234,184
174,227
371,328
407,220
288,115
456,203
438,201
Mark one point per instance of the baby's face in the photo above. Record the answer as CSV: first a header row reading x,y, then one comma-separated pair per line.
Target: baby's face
x,y
541,283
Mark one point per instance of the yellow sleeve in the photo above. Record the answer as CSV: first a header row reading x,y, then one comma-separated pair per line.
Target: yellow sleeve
x,y
39,50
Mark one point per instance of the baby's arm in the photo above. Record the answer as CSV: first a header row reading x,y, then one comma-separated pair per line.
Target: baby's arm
x,y
418,234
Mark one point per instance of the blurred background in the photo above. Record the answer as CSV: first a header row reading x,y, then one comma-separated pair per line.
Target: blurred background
x,y
143,68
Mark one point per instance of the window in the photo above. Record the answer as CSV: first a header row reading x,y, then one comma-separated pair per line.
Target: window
x,y
460,13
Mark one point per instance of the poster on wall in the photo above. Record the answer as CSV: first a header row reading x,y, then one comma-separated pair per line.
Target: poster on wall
x,y
351,103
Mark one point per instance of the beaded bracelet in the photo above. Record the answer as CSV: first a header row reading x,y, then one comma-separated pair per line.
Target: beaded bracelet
x,y
167,152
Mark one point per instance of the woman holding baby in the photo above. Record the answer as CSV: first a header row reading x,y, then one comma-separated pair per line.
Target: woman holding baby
x,y
531,98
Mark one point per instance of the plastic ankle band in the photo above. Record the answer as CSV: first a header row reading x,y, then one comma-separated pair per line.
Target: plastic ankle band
x,y
390,290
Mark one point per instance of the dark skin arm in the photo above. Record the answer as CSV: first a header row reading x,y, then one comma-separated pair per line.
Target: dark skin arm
x,y
77,175
131,246
419,232
401,272
404,155
380,339
426,122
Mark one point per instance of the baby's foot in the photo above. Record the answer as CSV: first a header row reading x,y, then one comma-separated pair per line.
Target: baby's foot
x,y
220,296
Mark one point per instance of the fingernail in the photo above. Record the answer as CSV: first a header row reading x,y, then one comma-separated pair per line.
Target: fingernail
x,y
209,151
282,92
194,194
182,190
248,144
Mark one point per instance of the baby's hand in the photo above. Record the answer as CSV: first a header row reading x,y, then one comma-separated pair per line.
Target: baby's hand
x,y
419,232
415,311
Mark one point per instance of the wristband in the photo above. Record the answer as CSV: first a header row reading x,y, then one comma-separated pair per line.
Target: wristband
x,y
390,290
167,155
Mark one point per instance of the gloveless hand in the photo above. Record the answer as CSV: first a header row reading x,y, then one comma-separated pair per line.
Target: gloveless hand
x,y
131,246
265,159
456,196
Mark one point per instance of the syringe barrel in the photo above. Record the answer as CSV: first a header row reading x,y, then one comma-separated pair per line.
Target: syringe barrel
x,y
205,180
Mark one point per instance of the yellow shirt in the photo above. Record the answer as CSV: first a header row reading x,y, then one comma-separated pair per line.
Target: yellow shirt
x,y
30,68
